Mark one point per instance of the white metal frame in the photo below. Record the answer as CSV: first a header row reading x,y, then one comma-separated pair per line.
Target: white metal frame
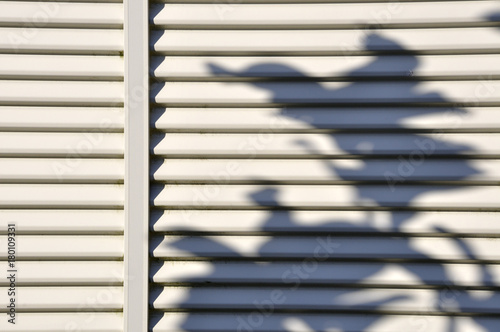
x,y
136,31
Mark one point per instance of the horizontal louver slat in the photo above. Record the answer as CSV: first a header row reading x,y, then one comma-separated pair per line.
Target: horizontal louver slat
x,y
326,273
317,299
61,196
68,67
38,247
317,222
343,42
61,322
61,41
325,67
332,196
93,119
69,145
359,93
61,170
317,119
47,13
316,14
75,299
82,273
313,171
41,93
324,247
228,322
315,145
48,221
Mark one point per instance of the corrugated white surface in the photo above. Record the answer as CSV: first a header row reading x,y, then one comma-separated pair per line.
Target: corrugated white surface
x,y
325,166
62,150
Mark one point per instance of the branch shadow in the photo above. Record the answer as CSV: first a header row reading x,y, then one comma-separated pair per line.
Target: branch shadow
x,y
429,272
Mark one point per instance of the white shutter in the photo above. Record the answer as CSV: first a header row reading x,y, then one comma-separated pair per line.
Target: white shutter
x,y
62,168
325,166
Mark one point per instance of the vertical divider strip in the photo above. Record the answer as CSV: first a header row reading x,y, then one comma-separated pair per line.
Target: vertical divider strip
x,y
136,56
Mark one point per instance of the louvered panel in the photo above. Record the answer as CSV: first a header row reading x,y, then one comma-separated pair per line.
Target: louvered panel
x,y
62,150
267,93
331,14
310,42
93,119
68,67
318,145
317,222
278,322
61,322
327,67
48,221
13,13
326,165
305,119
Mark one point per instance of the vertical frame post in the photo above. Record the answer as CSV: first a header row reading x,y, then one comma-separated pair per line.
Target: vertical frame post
x,y
136,55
